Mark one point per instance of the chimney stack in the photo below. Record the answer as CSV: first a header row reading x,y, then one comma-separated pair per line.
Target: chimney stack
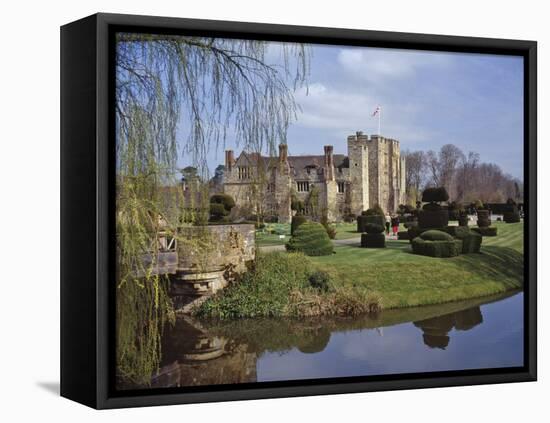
x,y
283,153
329,162
229,160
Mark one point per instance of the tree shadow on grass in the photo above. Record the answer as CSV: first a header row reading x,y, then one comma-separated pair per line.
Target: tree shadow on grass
x,y
495,263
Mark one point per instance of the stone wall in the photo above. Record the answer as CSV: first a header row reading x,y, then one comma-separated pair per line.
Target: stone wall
x,y
209,257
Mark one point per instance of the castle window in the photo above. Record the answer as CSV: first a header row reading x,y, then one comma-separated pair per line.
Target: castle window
x,y
244,172
341,187
302,186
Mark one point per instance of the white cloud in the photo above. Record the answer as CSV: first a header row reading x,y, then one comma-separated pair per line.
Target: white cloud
x,y
376,65
344,111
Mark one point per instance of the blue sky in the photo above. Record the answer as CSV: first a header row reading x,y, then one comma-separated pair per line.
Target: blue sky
x,y
428,99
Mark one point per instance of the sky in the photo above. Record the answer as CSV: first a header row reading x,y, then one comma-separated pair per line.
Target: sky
x,y
427,100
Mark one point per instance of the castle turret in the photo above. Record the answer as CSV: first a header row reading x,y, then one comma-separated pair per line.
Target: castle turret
x,y
358,154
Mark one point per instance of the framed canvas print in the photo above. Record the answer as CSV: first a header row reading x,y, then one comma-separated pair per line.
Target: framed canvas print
x,y
255,211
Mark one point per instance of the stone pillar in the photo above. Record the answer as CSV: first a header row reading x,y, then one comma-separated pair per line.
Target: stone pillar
x,y
283,184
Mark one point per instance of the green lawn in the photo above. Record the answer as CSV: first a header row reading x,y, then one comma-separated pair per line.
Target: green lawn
x,y
404,279
270,235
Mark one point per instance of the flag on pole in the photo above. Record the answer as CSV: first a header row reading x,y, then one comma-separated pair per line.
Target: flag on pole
x,y
377,111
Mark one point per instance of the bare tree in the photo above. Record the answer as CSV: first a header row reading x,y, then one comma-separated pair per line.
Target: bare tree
x,y
465,177
415,174
442,165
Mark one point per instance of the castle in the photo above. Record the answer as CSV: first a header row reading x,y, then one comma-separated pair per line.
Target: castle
x,y
373,172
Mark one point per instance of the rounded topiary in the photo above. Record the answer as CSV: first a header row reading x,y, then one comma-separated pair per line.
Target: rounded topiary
x,y
463,219
375,210
435,195
363,220
511,214
226,200
217,212
373,240
311,239
434,235
373,228
296,221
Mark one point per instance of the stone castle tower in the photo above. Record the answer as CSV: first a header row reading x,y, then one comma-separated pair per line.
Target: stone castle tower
x,y
373,172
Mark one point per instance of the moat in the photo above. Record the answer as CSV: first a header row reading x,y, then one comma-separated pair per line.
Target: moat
x,y
474,334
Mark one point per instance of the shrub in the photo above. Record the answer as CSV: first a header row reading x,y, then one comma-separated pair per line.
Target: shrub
x,y
483,219
432,207
486,231
455,210
349,217
435,235
403,235
449,248
435,195
217,212
373,240
373,228
363,220
264,290
471,242
311,239
376,210
433,218
411,224
296,221
463,219
226,200
320,280
511,217
331,230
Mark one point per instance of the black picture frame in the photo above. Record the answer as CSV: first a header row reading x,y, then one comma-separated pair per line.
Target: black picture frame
x,y
87,210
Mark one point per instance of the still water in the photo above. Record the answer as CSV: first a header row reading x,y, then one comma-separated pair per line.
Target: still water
x,y
474,334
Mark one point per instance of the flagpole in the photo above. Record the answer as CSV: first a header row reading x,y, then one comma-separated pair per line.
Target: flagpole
x,y
379,115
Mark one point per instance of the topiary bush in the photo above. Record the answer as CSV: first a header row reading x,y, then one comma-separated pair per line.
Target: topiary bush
x,y
363,220
320,280
471,242
443,249
486,231
435,235
311,239
373,228
483,220
433,218
511,215
463,219
331,230
435,195
373,240
217,212
226,200
376,210
297,220
403,235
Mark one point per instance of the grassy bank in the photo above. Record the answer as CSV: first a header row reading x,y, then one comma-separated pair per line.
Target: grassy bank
x,y
363,279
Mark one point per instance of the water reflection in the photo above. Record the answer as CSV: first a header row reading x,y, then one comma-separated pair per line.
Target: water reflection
x,y
249,350
436,329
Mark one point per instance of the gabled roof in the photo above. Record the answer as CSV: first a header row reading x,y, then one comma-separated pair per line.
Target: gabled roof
x,y
296,162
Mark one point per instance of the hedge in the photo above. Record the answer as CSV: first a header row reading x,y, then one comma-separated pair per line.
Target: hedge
x,y
442,249
486,231
403,235
370,240
226,200
435,195
433,218
362,221
373,228
311,239
483,220
511,216
296,221
435,235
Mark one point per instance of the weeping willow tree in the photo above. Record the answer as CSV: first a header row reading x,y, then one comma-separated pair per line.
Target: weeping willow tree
x,y
182,96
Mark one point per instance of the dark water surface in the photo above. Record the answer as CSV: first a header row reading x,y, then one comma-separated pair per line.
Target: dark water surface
x,y
475,334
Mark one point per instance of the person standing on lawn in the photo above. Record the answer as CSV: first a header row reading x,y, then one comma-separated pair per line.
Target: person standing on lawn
x,y
387,219
395,224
